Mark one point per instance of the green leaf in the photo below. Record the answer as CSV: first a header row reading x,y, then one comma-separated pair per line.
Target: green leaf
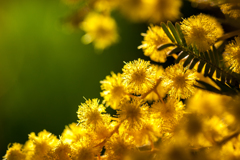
x,y
217,73
180,33
212,70
181,55
207,87
206,70
200,66
194,61
175,50
165,29
166,45
174,32
188,60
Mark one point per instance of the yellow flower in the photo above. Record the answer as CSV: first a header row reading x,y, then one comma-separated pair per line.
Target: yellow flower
x,y
73,133
138,76
105,5
15,153
119,147
42,144
172,109
154,37
231,55
62,151
100,29
91,114
152,96
136,10
208,103
132,113
151,10
163,10
113,90
231,9
179,81
150,131
201,30
85,150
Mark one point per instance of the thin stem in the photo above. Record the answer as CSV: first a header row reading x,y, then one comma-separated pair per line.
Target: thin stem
x,y
159,96
148,92
227,138
228,35
110,135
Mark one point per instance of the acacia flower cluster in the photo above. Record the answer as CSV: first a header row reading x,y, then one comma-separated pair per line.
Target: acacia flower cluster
x,y
161,114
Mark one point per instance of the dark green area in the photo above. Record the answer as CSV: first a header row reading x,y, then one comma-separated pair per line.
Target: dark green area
x,y
45,70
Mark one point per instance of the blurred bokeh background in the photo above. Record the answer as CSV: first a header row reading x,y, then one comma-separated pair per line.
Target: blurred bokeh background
x,y
45,70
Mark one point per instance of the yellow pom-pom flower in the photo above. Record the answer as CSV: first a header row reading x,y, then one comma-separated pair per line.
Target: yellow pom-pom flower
x,y
100,29
154,37
119,147
138,76
62,151
91,114
85,149
201,31
42,144
113,90
73,133
231,55
15,153
179,81
132,114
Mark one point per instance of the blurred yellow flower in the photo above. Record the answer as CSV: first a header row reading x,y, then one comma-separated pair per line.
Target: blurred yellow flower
x,y
100,29
201,31
163,10
231,9
231,55
153,11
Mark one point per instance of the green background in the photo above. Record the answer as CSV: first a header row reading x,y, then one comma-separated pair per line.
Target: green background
x,y
45,70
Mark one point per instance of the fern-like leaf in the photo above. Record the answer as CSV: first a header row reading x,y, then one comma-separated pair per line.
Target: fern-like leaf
x,y
208,62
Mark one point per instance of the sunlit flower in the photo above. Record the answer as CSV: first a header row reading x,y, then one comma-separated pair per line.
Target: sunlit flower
x,y
62,151
139,76
132,113
231,9
113,90
151,10
100,29
136,10
118,147
85,149
201,30
163,10
231,55
91,114
172,109
73,133
42,144
154,37
15,153
179,81
160,90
